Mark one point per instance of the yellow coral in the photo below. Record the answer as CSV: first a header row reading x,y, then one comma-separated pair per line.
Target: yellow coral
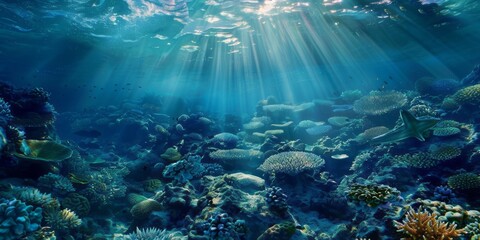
x,y
423,225
468,95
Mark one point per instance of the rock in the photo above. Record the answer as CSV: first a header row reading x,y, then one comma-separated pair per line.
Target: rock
x,y
247,182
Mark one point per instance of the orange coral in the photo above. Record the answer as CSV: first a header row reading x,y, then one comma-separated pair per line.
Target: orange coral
x,y
423,225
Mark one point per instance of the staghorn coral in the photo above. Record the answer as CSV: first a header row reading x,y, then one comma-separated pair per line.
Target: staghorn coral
x,y
464,181
443,153
380,102
63,220
468,95
77,203
371,194
423,225
292,163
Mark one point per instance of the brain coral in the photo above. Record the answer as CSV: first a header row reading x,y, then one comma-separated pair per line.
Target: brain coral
x,y
468,95
292,163
380,102
464,181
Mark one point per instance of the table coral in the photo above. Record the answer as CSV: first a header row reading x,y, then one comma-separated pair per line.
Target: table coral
x,y
292,163
380,102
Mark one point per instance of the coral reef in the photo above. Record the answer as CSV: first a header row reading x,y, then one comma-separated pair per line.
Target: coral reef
x,y
372,194
184,170
77,203
292,163
464,181
468,95
18,219
421,224
380,102
276,199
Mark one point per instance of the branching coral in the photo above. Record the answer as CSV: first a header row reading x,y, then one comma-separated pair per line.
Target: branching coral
x,y
57,183
292,163
380,102
63,220
148,234
372,194
423,225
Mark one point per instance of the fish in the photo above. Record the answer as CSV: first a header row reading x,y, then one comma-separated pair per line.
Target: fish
x,y
90,133
340,156
411,127
76,179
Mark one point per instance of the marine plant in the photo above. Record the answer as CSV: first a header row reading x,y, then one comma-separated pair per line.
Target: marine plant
x,y
18,219
371,194
421,224
464,181
292,163
380,102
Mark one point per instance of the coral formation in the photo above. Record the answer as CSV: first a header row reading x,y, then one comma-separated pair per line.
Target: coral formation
x,y
436,87
148,234
446,152
279,231
417,160
63,220
77,203
143,209
372,194
464,181
421,224
292,163
380,102
276,199
468,95
18,219
58,184
184,170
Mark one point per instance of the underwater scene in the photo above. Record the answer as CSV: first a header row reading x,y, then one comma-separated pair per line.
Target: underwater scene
x,y
239,119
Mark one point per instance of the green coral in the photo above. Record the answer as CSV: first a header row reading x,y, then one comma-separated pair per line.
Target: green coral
x,y
464,181
469,95
371,194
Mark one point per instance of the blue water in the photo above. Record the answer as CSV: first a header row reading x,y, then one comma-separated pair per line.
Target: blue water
x,y
231,53
124,74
